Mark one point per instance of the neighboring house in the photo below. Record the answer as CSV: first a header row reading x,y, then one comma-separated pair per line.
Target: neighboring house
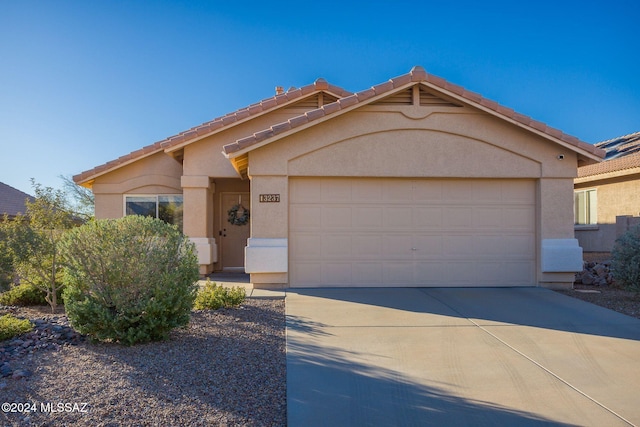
x,y
607,195
12,201
413,182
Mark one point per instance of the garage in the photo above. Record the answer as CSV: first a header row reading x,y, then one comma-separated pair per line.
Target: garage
x,y
412,232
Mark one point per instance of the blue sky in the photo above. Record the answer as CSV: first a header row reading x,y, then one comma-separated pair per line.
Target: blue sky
x,y
84,82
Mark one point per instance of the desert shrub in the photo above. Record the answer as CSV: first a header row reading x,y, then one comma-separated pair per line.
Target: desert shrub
x,y
6,262
625,260
32,240
23,294
129,280
12,327
213,297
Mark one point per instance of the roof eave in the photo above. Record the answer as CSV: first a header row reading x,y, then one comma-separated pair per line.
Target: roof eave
x,y
175,147
588,153
312,123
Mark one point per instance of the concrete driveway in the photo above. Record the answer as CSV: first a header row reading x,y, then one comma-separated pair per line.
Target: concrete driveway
x,y
435,356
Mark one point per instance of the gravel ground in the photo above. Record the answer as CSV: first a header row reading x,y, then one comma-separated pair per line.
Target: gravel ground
x,y
227,367
610,297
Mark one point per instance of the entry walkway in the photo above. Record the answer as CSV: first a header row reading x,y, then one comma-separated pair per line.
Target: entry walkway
x,y
401,357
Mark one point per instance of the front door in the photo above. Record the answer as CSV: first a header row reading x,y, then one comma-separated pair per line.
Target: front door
x,y
233,236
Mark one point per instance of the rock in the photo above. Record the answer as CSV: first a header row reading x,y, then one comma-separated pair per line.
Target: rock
x,y
587,278
598,274
5,370
20,373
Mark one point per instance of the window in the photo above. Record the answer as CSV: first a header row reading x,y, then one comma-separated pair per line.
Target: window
x,y
167,208
585,207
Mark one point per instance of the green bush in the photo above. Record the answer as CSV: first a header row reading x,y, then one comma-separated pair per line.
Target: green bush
x,y
12,327
625,260
214,296
23,294
129,280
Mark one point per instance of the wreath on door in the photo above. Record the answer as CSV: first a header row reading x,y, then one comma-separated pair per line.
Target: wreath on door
x,y
238,215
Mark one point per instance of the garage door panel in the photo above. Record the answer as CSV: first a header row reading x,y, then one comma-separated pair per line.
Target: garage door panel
x,y
367,273
367,191
367,217
518,246
457,191
399,273
519,218
336,217
427,192
458,218
461,273
306,273
403,232
457,246
337,273
517,273
306,190
336,246
306,217
426,218
336,191
396,246
397,191
518,191
367,246
307,246
488,217
430,273
397,217
428,246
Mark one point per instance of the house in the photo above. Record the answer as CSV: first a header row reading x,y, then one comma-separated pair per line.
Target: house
x,y
12,201
607,194
413,182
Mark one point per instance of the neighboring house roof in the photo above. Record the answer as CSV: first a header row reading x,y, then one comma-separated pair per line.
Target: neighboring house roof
x,y
346,101
417,74
622,154
12,201
206,129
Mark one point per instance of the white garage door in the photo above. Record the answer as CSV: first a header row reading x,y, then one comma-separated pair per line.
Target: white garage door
x,y
404,232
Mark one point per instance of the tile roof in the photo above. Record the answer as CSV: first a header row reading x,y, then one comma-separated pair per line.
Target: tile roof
x,y
346,101
622,153
417,74
210,127
12,201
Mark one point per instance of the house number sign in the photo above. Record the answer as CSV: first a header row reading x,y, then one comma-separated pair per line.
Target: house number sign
x,y
269,198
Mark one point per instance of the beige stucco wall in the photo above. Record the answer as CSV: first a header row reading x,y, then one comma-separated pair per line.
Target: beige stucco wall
x,y
616,196
156,174
372,141
397,142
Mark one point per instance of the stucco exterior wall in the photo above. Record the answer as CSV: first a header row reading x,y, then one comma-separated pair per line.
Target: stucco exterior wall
x,y
204,157
616,196
399,142
156,174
